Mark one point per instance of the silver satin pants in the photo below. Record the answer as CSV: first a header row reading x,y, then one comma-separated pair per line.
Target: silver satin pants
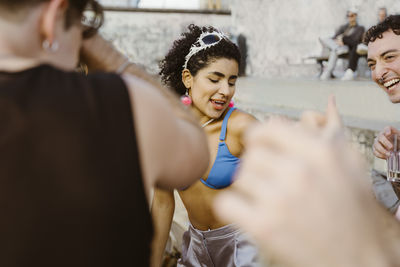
x,y
222,247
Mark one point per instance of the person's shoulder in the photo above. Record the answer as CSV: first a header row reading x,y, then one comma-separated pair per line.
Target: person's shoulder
x,y
77,80
101,76
241,120
136,82
241,115
106,83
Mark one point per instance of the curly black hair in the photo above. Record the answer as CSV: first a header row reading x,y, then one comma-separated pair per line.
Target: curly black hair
x,y
392,22
172,65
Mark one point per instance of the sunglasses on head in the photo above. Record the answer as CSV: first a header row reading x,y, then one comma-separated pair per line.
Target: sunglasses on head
x,y
205,40
92,19
211,38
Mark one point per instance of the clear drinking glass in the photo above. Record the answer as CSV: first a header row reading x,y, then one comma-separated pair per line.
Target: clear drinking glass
x,y
393,163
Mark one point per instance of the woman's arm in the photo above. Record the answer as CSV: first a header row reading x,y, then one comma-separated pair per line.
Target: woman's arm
x,y
172,146
162,210
101,55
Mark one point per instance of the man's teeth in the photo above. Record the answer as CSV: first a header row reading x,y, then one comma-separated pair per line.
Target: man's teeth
x,y
391,82
219,102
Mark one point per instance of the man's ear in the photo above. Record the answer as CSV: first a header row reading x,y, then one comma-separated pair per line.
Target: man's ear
x,y
187,78
51,12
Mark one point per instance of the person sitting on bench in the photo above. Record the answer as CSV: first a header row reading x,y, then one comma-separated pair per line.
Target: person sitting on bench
x,y
344,41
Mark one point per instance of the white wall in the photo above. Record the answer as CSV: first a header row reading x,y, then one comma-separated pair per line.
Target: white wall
x,y
174,4
178,4
280,33
146,37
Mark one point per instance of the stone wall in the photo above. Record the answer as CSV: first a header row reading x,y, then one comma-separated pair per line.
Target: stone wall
x,y
361,139
145,37
281,33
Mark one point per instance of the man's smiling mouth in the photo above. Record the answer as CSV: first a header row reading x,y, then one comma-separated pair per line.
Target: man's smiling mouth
x,y
391,83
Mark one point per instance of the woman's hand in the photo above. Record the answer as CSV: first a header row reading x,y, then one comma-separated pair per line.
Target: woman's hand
x,y
100,54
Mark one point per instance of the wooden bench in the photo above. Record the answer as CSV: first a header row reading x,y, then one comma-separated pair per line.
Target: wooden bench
x,y
322,58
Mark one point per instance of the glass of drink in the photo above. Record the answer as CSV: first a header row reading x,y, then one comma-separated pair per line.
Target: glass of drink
x,y
393,163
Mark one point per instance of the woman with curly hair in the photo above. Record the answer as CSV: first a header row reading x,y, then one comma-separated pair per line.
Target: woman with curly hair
x,y
203,67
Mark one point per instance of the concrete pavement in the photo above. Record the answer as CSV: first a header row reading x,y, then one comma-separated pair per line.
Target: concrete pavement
x,y
362,104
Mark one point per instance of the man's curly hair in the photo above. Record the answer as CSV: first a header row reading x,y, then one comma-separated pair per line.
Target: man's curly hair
x,y
172,65
392,22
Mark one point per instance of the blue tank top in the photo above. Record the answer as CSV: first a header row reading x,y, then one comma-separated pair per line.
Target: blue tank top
x,y
225,164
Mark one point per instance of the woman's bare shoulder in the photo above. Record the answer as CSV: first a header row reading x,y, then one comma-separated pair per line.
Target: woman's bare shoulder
x,y
241,120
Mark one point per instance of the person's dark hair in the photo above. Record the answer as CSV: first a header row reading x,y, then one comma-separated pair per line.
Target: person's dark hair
x,y
172,65
75,12
390,23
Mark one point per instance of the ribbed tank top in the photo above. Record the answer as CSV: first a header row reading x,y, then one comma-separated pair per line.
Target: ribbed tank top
x,y
71,190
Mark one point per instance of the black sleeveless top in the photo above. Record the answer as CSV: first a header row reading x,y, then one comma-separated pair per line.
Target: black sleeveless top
x,y
71,190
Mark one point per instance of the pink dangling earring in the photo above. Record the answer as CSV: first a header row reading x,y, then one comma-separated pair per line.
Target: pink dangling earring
x,y
186,99
231,104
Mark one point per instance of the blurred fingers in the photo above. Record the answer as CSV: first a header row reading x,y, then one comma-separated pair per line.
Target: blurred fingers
x,y
313,120
385,142
333,121
232,207
332,112
379,151
264,173
328,124
288,139
257,168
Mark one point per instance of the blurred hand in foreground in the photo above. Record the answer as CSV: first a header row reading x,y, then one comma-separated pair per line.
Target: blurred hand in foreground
x,y
302,194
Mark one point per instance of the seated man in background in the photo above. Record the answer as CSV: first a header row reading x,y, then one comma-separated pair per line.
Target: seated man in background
x,y
344,41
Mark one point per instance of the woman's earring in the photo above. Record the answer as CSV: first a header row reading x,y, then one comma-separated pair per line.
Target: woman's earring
x,y
231,104
186,99
51,47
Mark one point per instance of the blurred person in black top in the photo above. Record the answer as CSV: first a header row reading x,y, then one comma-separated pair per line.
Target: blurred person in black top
x,y
79,154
